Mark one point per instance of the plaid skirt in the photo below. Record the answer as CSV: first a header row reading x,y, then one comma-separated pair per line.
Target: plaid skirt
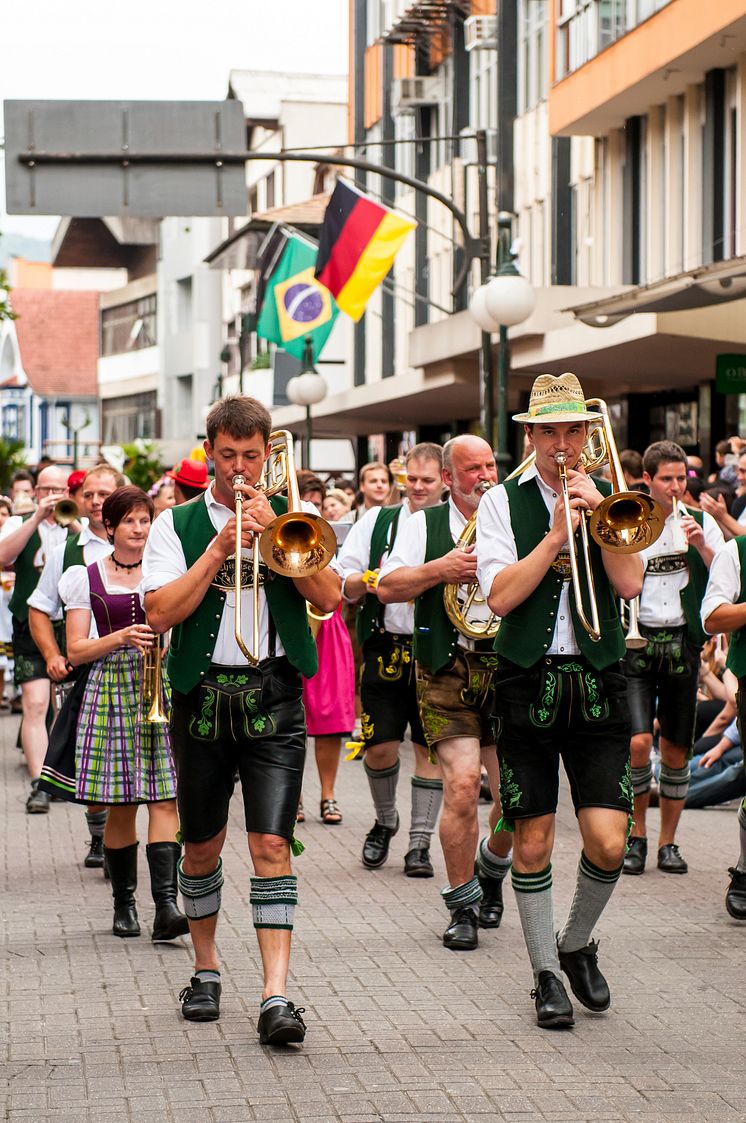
x,y
118,757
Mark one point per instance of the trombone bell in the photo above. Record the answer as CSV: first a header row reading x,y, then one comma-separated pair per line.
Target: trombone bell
x,y
297,544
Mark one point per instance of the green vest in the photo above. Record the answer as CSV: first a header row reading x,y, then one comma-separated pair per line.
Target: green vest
x,y
73,553
435,638
526,633
368,613
736,660
693,592
193,641
27,576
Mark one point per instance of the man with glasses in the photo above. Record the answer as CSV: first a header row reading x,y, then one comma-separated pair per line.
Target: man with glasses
x,y
27,542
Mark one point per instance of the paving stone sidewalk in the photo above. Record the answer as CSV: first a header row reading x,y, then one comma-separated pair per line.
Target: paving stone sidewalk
x,y
400,1030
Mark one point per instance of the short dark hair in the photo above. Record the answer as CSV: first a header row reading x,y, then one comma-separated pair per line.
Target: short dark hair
x,y
310,482
187,491
695,485
662,452
723,447
239,416
119,504
425,450
21,474
631,462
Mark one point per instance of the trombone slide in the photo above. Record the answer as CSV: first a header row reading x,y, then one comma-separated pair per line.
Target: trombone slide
x,y
592,626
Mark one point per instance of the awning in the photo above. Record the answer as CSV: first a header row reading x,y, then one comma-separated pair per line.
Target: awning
x,y
706,285
240,250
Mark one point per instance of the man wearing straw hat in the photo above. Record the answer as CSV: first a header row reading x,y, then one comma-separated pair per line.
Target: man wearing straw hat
x,y
558,693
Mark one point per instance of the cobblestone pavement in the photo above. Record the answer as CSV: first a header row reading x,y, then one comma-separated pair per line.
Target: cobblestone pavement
x,y
399,1028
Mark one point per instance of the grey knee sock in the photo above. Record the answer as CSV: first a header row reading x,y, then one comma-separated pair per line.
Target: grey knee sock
x,y
592,892
383,783
491,865
96,821
427,796
463,896
674,782
741,865
533,896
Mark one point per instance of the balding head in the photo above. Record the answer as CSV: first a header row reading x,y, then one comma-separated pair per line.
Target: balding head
x,y
468,465
51,484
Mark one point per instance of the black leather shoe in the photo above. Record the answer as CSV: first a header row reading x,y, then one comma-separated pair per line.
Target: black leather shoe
x,y
94,859
491,906
670,860
376,845
461,933
553,1007
586,981
200,1001
281,1025
735,898
634,859
38,801
417,863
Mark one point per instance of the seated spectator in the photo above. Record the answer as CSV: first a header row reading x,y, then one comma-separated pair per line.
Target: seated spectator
x,y
717,770
631,462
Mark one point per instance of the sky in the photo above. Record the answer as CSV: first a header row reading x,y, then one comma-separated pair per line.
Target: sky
x,y
158,50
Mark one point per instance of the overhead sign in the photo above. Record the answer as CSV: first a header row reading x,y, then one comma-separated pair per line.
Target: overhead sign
x,y
730,374
94,159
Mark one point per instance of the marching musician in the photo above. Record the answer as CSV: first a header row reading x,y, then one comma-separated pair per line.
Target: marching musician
x,y
229,715
388,689
724,610
454,686
662,677
557,694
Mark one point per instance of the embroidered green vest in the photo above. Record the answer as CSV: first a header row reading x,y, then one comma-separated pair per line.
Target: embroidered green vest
x,y
368,613
526,633
193,641
27,576
736,660
73,553
693,592
435,638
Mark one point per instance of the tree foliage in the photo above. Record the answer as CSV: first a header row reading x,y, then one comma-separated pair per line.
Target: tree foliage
x,y
12,457
142,464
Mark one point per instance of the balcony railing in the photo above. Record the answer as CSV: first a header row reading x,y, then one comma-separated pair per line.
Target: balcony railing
x,y
587,27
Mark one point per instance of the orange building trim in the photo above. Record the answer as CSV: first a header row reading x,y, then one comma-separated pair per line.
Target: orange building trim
x,y
373,79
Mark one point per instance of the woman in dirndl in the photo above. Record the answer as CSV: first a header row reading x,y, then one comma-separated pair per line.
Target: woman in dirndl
x,y
122,759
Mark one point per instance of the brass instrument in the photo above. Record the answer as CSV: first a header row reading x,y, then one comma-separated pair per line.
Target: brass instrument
x,y
151,690
296,544
457,610
634,640
65,511
592,627
316,617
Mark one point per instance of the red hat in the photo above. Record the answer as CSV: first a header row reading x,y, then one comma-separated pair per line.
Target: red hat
x,y
191,473
75,480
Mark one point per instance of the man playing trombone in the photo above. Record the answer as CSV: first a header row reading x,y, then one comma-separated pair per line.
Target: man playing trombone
x,y
558,692
236,700
663,675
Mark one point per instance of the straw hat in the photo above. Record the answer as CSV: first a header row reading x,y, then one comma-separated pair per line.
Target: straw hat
x,y
556,399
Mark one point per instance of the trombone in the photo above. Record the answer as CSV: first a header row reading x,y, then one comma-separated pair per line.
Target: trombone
x,y
295,544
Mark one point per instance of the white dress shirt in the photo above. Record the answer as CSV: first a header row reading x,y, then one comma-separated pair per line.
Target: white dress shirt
x,y
75,589
660,600
355,556
164,561
51,536
496,550
724,585
410,548
46,596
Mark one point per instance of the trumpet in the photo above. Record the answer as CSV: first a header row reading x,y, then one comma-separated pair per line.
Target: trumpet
x,y
457,608
295,544
65,511
151,690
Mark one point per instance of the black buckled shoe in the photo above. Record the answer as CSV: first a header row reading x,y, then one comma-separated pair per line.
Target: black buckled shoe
x,y
38,801
200,1001
586,981
491,906
735,898
281,1025
94,859
634,859
376,845
670,860
417,863
461,934
553,1007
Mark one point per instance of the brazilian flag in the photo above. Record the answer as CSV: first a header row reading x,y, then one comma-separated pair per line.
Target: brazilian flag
x,y
293,303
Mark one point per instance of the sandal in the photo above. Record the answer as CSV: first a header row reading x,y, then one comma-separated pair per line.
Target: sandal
x,y
300,816
330,812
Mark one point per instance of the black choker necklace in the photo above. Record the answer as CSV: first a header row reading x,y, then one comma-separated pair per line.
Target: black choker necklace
x,y
125,565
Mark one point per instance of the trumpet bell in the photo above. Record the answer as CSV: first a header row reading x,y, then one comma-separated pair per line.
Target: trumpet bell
x,y
627,522
297,544
65,512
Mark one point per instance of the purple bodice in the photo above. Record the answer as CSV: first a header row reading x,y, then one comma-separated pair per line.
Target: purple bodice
x,y
112,611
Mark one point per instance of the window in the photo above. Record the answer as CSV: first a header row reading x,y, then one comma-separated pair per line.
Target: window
x,y
129,327
533,63
270,190
586,27
124,419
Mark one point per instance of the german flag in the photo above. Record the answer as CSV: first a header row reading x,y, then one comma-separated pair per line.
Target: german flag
x,y
357,246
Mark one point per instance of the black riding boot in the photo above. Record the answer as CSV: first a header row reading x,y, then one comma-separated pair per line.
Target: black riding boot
x,y
169,922
122,866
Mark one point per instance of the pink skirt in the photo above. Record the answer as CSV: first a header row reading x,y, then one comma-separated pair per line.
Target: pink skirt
x,y
329,697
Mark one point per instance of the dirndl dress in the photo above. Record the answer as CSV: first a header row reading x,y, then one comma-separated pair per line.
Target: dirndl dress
x,y
329,697
119,758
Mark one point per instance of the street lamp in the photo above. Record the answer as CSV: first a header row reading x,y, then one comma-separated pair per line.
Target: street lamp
x,y
307,389
503,301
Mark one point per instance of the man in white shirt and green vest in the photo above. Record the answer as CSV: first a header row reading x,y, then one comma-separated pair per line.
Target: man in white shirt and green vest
x,y
388,692
558,694
454,686
662,677
724,610
229,715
